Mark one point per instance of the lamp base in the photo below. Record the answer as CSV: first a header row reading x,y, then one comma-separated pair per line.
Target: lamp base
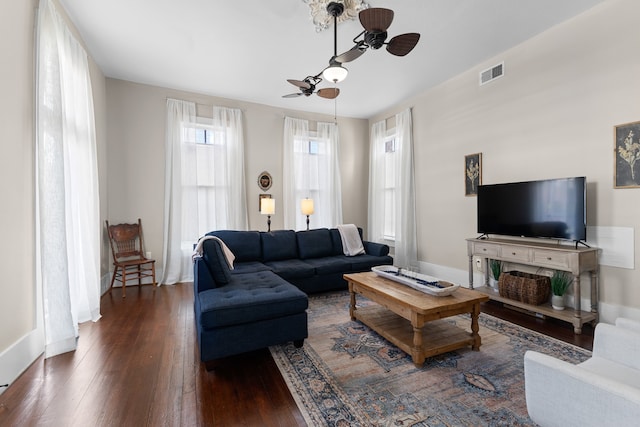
x,y
307,222
268,223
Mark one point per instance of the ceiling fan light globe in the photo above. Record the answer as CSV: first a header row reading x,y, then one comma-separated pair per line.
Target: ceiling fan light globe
x,y
335,73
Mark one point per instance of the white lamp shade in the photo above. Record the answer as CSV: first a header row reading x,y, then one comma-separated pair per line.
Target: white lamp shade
x,y
306,206
335,73
267,206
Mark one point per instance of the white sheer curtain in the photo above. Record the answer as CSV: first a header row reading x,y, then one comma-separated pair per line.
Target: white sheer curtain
x,y
376,219
392,189
295,130
204,184
406,252
333,195
311,169
67,215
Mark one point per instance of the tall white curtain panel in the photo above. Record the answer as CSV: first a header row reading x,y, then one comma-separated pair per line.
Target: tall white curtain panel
x,y
392,189
406,252
205,184
67,215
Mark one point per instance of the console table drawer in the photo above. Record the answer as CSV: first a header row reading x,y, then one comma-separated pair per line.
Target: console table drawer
x,y
486,250
551,259
515,253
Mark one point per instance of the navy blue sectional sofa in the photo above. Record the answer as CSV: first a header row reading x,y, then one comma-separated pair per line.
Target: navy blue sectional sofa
x,y
263,300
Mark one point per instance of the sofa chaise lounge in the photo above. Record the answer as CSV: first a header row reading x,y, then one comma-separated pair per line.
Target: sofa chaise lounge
x,y
262,301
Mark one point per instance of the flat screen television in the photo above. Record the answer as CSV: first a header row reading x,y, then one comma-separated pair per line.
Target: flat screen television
x,y
553,208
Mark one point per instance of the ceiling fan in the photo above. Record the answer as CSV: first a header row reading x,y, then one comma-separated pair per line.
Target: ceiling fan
x,y
375,21
308,87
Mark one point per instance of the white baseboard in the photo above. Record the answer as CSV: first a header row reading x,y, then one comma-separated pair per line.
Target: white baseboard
x,y
17,358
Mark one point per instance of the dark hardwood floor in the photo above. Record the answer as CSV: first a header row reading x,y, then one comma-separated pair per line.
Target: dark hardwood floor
x,y
138,366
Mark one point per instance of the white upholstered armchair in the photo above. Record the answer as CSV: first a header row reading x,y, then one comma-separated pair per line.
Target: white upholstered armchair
x,y
602,391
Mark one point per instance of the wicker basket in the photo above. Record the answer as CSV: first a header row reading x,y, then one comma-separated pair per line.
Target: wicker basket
x,y
524,287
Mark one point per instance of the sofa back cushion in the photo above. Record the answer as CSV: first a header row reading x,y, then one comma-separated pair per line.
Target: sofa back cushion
x,y
279,245
214,257
245,245
315,243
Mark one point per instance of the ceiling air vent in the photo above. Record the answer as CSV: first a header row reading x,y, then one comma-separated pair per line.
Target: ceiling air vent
x,y
491,73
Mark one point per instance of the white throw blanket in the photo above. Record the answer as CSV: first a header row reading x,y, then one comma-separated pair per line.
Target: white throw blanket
x,y
351,241
229,256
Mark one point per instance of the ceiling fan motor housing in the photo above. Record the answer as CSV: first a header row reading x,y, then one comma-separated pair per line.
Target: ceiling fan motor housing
x,y
375,39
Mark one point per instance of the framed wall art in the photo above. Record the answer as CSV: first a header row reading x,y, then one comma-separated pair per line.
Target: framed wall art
x,y
472,174
626,155
264,181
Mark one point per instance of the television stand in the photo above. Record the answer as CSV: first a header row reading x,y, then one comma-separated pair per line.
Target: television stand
x,y
541,255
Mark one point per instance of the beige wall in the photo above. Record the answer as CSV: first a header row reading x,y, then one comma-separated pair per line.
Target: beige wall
x,y
136,156
551,115
16,168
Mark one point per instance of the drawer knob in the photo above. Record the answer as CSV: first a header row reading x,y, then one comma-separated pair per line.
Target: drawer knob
x,y
513,253
549,258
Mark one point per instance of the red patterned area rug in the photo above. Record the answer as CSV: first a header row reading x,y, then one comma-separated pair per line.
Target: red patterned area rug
x,y
347,375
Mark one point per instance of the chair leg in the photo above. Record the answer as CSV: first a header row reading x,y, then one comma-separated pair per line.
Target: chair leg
x,y
113,278
139,276
124,282
153,274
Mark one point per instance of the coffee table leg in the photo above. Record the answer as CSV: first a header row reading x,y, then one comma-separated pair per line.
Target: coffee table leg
x,y
352,304
418,360
475,328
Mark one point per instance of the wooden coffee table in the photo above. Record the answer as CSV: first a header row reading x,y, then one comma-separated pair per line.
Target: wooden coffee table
x,y
410,319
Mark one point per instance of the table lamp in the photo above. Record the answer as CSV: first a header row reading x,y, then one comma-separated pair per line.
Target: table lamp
x,y
306,207
268,208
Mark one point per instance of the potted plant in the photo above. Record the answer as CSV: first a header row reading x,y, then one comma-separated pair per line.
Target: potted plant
x,y
560,282
496,269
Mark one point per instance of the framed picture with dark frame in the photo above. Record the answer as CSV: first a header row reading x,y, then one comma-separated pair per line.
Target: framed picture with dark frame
x,y
472,174
626,155
260,197
264,181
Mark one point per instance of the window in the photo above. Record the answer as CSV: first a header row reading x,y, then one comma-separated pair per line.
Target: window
x,y
312,168
204,179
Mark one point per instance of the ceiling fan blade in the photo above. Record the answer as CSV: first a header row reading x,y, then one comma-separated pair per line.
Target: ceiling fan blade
x,y
299,83
376,18
403,44
329,92
353,53
292,95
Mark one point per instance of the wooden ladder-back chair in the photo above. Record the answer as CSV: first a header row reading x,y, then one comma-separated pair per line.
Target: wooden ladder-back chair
x,y
129,260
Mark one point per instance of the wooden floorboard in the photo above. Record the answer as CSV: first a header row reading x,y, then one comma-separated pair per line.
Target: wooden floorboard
x,y
139,366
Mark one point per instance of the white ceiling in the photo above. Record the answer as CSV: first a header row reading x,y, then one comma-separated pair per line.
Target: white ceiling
x,y
246,50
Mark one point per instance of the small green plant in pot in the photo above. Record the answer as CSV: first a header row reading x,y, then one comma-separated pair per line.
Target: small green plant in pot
x,y
496,269
560,282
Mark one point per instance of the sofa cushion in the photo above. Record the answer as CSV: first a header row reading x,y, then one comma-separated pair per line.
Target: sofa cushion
x,y
214,258
364,262
291,268
336,242
245,245
250,298
331,264
249,267
314,243
279,245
